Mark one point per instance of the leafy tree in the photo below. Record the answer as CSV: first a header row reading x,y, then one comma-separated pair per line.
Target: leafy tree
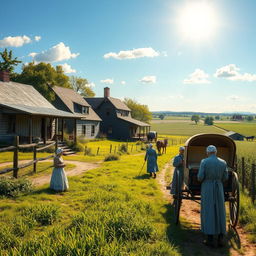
x,y
41,76
249,118
81,86
138,111
162,116
217,117
8,62
195,118
208,120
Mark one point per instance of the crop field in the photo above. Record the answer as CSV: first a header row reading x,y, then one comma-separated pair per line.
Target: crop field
x,y
183,128
245,128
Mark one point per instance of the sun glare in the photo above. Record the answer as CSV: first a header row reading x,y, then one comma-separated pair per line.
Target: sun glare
x,y
197,21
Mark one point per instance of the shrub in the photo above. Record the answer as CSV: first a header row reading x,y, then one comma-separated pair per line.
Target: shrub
x,y
42,214
11,187
111,157
88,151
123,148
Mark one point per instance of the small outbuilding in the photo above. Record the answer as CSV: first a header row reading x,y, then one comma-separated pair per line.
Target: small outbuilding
x,y
235,135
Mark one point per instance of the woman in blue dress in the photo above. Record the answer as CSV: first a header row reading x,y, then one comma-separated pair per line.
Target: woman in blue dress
x,y
151,158
59,181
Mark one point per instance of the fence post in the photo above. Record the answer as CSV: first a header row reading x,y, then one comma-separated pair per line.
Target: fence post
x,y
34,158
110,149
253,183
16,157
85,147
131,147
243,174
98,150
56,143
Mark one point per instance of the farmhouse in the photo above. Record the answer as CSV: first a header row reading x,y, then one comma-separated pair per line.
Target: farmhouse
x,y
235,135
87,124
117,122
24,112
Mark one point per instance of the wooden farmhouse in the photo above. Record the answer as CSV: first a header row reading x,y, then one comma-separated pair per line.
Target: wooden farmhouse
x,y
24,112
87,122
235,135
117,122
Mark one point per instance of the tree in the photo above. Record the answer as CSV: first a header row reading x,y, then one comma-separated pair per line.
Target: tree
x,y
208,120
8,62
42,76
217,117
81,86
249,118
195,118
161,116
138,111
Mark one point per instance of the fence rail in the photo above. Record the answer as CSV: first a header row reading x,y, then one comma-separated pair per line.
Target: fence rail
x,y
16,166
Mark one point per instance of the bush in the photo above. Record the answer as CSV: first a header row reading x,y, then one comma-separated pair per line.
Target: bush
x,y
88,151
111,157
42,214
123,148
11,187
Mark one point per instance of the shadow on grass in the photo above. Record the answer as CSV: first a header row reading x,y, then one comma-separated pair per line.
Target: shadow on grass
x,y
188,238
142,177
46,191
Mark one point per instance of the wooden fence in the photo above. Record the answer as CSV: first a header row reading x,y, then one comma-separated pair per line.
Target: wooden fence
x,y
16,147
247,176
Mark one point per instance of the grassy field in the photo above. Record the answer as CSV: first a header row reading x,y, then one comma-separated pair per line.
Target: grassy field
x,y
183,128
245,128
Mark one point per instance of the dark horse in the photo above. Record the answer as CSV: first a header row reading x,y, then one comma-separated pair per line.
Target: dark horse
x,y
250,138
152,136
161,146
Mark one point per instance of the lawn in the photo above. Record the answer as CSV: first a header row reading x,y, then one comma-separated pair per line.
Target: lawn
x,y
184,128
245,128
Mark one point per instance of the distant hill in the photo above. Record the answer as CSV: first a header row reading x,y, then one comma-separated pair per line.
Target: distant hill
x,y
188,113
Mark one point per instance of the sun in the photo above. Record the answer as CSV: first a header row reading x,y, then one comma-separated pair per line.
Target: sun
x,y
197,21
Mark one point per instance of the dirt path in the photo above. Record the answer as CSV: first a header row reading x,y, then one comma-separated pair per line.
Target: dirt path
x,y
237,244
80,168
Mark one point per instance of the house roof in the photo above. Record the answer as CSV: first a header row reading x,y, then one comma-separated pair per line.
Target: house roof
x,y
133,121
232,133
117,103
26,99
69,97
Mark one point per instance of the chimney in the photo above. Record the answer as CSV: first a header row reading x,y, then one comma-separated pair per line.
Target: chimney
x,y
4,76
106,92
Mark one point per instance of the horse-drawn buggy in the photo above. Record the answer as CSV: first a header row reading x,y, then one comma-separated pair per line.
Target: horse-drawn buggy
x,y
195,151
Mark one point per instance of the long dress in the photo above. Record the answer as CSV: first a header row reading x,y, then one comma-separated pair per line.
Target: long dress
x,y
213,171
151,157
179,166
59,181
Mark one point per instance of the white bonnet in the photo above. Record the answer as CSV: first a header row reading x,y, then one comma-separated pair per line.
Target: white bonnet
x,y
59,151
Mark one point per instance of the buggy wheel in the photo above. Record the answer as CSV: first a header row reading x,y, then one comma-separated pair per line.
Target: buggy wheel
x,y
234,201
177,198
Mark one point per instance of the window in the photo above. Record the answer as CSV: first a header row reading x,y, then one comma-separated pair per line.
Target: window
x,y
93,130
84,130
11,124
85,110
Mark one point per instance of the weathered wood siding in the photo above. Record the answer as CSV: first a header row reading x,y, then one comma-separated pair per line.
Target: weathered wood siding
x,y
3,124
22,126
88,124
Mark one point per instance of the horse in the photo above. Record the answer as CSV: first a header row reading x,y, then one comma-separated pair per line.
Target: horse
x,y
152,136
250,138
161,145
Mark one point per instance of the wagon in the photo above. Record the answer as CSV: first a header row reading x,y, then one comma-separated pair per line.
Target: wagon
x,y
195,151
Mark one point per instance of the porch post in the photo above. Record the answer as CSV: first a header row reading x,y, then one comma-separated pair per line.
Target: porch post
x,y
62,129
45,130
75,130
56,132
30,130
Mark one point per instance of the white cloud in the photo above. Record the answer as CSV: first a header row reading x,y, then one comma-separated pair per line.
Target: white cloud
x,y
107,81
123,82
38,38
67,68
58,52
148,80
133,54
197,77
231,72
15,41
233,97
91,85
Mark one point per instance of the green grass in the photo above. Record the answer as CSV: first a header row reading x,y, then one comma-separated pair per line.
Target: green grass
x,y
245,128
184,128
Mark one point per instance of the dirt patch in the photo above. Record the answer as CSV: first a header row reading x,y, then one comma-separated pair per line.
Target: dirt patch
x,y
237,241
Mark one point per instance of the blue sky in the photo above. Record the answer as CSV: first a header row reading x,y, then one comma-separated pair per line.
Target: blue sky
x,y
160,65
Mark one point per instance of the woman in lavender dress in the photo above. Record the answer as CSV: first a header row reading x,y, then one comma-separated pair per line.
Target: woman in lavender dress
x,y
59,181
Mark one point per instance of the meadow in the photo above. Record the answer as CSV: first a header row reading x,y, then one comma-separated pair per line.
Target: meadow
x,y
245,128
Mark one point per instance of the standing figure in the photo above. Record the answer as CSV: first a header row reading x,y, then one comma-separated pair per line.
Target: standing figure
x,y
178,163
151,158
213,171
59,181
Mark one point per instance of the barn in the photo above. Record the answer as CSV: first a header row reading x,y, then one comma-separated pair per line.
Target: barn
x,y
24,112
117,122
87,124
235,135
